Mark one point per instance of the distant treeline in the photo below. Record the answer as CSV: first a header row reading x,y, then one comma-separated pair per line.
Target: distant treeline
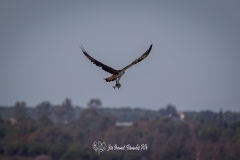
x,y
67,132
66,112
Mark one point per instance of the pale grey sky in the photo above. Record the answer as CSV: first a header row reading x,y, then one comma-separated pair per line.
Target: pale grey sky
x,y
194,63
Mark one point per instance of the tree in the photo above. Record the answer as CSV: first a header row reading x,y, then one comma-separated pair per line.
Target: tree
x,y
1,120
57,150
65,111
20,111
132,156
106,122
36,149
43,113
113,155
170,109
89,118
76,152
95,103
220,118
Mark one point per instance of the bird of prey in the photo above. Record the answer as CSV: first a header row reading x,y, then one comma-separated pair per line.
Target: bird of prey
x,y
116,74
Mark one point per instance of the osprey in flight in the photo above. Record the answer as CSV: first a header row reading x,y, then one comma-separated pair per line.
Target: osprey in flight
x,y
116,74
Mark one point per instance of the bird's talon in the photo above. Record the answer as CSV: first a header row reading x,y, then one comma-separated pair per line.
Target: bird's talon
x,y
118,85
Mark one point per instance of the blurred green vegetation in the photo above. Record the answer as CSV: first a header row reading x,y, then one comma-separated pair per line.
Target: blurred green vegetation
x,y
65,132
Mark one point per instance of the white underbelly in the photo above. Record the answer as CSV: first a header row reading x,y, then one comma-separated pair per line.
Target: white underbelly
x,y
121,73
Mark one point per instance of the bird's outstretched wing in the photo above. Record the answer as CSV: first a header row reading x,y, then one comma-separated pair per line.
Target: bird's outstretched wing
x,y
99,64
139,59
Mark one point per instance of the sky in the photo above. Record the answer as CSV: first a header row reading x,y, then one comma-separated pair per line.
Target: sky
x,y
194,63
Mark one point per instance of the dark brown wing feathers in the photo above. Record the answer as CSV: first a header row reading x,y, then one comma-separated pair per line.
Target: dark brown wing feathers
x,y
111,70
139,59
99,64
